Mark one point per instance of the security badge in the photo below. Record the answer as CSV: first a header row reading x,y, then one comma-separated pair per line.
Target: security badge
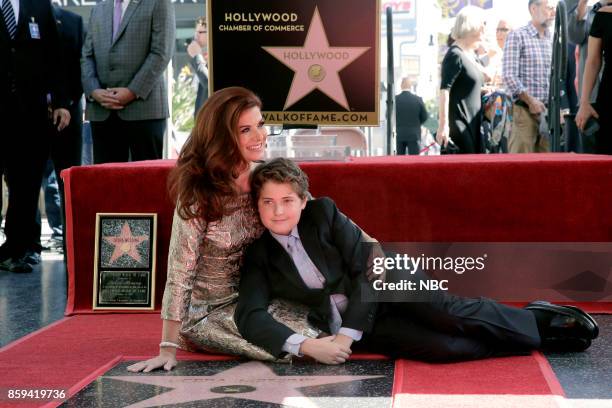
x,y
34,30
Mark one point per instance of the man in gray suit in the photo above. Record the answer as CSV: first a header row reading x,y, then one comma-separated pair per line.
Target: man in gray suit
x,y
128,46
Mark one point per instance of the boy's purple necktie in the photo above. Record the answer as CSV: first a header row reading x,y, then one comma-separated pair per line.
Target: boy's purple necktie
x,y
314,280
117,17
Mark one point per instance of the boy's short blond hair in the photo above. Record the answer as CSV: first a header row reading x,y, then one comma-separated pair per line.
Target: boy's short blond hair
x,y
279,170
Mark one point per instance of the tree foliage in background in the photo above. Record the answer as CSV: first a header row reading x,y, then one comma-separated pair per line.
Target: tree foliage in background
x,y
183,100
431,123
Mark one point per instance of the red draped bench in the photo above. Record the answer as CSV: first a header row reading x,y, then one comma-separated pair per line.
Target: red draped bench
x,y
484,198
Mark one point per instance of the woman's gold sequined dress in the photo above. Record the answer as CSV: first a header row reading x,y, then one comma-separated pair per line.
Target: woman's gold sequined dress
x,y
204,261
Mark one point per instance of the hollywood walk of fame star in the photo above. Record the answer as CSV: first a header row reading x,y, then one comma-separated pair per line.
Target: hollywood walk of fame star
x,y
251,381
316,65
126,244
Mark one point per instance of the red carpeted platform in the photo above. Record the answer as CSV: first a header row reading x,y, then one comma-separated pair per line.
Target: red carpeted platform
x,y
75,351
72,352
526,381
506,198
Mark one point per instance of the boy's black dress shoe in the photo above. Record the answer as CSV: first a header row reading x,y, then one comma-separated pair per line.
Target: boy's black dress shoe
x,y
565,344
563,322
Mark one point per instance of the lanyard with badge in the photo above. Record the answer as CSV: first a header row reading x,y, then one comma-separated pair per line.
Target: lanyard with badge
x,y
34,30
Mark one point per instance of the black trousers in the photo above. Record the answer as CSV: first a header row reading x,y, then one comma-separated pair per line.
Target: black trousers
x,y
410,147
437,326
407,140
66,150
24,150
66,146
116,140
603,137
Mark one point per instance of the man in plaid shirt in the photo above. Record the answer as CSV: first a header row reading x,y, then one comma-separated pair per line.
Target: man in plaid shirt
x,y
526,74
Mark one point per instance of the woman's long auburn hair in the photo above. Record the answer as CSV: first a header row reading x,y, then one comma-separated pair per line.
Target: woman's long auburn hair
x,y
210,160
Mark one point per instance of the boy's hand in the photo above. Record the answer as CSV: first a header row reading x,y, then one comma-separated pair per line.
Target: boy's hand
x,y
325,350
344,340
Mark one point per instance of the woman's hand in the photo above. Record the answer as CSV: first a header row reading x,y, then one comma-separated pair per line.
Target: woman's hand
x,y
325,350
442,136
166,359
584,114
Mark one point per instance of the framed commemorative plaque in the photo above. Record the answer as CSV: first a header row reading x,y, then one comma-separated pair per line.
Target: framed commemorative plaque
x,y
312,62
124,261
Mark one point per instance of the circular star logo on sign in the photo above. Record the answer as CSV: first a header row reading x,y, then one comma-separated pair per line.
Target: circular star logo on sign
x,y
316,73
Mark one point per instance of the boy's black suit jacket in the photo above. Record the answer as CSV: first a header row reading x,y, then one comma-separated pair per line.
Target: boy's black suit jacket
x,y
333,243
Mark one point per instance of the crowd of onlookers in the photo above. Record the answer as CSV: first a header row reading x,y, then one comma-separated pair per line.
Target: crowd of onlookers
x,y
494,97
50,67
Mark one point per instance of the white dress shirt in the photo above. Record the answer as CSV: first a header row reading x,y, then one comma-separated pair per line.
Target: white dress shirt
x,y
124,6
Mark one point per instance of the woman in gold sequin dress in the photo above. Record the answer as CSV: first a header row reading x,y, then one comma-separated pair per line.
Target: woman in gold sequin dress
x,y
213,222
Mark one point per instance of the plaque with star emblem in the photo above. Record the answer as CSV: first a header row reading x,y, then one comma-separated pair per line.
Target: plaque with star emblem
x,y
312,62
124,261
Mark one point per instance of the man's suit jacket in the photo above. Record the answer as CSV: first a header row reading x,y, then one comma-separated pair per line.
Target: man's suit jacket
x,y
29,65
410,114
136,58
333,243
70,28
198,63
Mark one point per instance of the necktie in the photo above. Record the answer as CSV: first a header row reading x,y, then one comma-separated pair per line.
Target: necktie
x,y
303,264
9,18
117,17
314,280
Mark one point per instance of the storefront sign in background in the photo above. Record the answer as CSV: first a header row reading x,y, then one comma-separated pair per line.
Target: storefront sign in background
x,y
404,19
450,8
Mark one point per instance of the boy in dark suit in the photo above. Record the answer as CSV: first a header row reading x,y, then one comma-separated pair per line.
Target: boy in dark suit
x,y
313,254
